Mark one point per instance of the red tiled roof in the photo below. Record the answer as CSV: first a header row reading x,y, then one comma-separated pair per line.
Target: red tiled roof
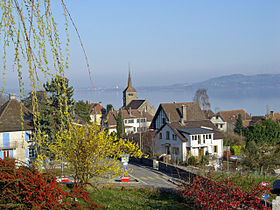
x,y
231,116
96,108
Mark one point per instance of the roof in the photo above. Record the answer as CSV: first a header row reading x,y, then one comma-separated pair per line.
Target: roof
x,y
10,117
127,114
231,116
208,113
196,130
96,108
273,115
135,104
173,112
129,88
193,126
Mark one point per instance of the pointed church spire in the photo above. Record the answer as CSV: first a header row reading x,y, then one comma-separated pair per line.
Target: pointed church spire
x,y
129,77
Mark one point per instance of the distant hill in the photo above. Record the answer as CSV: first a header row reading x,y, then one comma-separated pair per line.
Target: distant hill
x,y
235,85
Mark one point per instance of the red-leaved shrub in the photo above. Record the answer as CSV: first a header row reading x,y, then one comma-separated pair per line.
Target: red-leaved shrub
x,y
207,193
23,187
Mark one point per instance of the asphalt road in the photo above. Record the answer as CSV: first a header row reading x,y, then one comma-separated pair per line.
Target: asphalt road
x,y
151,177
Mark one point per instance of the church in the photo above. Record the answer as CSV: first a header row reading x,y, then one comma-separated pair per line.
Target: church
x,y
131,101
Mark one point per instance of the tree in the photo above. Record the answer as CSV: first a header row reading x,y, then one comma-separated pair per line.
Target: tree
x,y
202,99
120,124
239,125
58,115
266,132
92,152
81,109
261,157
109,107
3,99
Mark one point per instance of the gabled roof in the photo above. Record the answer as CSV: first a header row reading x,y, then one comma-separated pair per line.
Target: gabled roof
x,y
194,127
208,113
10,117
192,131
135,104
232,115
96,108
173,112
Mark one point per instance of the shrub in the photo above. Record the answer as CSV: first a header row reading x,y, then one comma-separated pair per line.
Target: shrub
x,y
23,187
192,161
209,194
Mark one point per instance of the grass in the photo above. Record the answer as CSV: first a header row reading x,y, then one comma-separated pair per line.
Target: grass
x,y
137,199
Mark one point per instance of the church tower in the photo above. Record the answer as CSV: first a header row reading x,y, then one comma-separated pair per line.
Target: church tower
x,y
129,93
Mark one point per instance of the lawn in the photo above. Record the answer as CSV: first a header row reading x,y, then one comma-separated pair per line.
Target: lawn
x,y
137,199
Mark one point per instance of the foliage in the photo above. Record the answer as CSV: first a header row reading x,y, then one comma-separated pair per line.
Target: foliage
x,y
192,161
266,132
92,152
261,157
120,124
3,99
109,107
210,194
61,106
204,161
236,149
202,99
231,139
82,110
23,187
239,125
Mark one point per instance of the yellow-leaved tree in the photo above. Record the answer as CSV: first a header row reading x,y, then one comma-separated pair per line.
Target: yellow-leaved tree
x,y
92,152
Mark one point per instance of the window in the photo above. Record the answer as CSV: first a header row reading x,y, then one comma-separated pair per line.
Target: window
x,y
134,129
31,152
167,135
131,121
221,125
143,120
125,121
215,149
138,120
160,135
175,150
217,125
217,117
163,120
130,94
174,137
204,136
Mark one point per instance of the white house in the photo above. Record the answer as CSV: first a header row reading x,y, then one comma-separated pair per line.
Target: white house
x,y
189,138
15,141
219,122
134,121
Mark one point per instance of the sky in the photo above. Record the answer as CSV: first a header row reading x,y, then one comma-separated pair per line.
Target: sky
x,y
172,41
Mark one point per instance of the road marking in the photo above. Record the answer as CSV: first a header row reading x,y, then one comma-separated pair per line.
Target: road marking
x,y
143,178
138,179
149,177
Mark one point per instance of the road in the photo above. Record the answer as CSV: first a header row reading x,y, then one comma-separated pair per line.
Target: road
x,y
151,177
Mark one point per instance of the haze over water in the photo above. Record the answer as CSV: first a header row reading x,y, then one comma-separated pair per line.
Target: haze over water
x,y
254,106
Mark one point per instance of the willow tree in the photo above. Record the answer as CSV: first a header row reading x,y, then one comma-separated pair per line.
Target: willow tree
x,y
31,40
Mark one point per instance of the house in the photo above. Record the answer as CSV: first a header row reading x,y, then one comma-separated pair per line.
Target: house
x,y
173,112
273,115
219,122
189,138
131,101
231,116
97,113
15,141
134,120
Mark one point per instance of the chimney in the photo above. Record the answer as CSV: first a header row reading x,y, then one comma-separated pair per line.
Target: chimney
x,y
12,96
129,111
184,114
272,113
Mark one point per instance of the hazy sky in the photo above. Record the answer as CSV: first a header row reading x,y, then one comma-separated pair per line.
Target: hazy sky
x,y
173,41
